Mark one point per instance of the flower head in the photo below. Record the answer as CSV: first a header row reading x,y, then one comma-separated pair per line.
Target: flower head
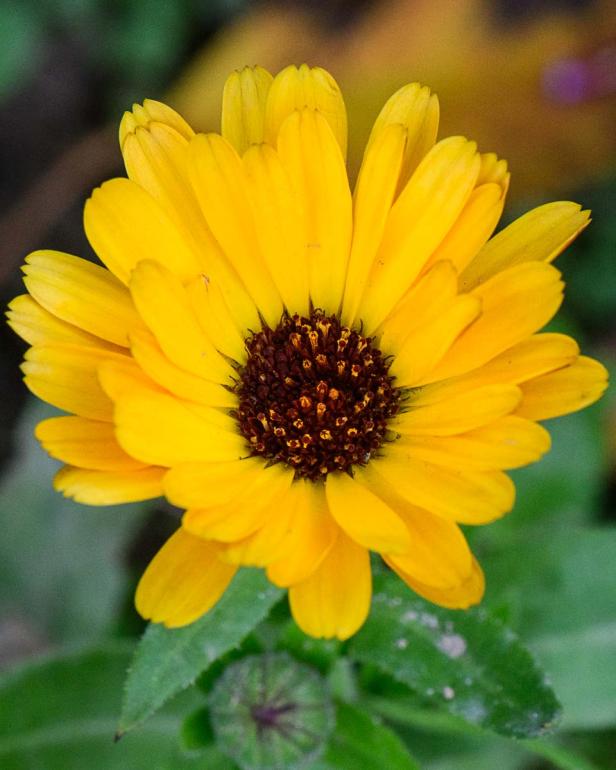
x,y
310,374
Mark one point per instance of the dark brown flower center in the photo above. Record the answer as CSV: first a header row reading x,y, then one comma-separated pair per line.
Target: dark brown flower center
x,y
315,394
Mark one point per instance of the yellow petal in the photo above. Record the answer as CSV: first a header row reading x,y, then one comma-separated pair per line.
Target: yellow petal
x,y
460,412
363,515
310,535
152,111
373,198
563,391
267,543
156,158
510,442
66,376
417,111
493,170
124,225
94,487
163,304
239,302
216,320
218,178
227,523
540,234
38,326
530,358
335,600
419,220
207,485
473,227
84,443
515,304
315,165
533,356
438,553
123,376
427,300
223,418
468,497
183,581
249,510
156,365
297,87
426,346
82,294
163,430
243,107
457,598
280,226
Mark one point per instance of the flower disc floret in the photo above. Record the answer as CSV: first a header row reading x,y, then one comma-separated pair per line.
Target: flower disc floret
x,y
315,394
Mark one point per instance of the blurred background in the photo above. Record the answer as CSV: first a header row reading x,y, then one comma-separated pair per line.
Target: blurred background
x,y
534,81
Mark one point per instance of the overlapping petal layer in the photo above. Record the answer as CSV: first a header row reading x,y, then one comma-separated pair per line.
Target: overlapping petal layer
x,y
216,237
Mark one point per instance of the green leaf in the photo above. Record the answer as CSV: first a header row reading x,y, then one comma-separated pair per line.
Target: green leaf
x,y
60,562
467,663
168,660
360,741
59,713
561,598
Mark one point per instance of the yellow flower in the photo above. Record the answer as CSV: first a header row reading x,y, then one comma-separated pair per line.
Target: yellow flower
x,y
311,374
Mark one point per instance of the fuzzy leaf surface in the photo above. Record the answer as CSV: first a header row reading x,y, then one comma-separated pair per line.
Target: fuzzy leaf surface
x,y
169,660
466,663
